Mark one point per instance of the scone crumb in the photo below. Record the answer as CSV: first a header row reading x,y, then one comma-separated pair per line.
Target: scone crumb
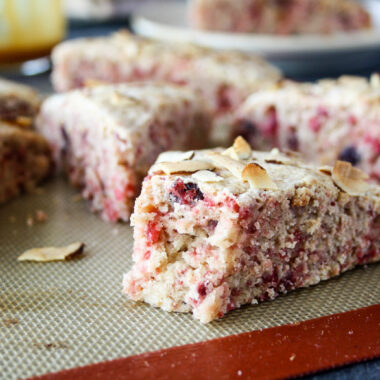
x,y
349,179
343,198
302,197
257,177
41,216
93,83
275,161
46,254
29,221
76,198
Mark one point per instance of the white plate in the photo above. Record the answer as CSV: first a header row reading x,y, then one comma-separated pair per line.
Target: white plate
x,y
297,55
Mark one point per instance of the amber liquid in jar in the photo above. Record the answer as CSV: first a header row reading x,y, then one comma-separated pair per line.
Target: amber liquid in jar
x,y
29,29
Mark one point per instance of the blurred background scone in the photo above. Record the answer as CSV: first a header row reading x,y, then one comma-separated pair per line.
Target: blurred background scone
x,y
279,16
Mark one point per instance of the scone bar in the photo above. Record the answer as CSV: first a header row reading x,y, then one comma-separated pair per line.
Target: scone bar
x,y
224,79
215,230
25,160
19,104
279,17
326,121
107,137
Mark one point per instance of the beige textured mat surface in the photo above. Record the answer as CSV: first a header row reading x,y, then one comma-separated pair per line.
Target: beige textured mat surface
x,y
65,314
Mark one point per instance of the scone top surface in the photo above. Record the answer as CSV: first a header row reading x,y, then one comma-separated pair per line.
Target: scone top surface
x,y
124,47
242,171
346,90
132,105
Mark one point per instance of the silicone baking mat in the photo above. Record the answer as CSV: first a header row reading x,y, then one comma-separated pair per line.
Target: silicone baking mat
x,y
65,314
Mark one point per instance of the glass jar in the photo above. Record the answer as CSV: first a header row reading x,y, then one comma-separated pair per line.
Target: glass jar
x,y
29,29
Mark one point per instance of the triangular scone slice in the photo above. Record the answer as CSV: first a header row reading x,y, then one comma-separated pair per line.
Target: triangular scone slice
x,y
106,137
25,160
246,230
325,121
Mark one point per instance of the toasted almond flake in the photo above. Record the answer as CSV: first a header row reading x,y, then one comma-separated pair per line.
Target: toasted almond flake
x,y
41,216
183,166
349,179
46,254
375,80
242,148
118,98
326,170
289,153
235,167
257,177
207,176
230,152
274,152
302,197
276,161
175,156
93,83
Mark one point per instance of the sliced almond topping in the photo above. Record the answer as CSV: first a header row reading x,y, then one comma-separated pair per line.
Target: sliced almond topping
x,y
52,253
207,176
230,152
326,170
93,83
275,152
175,156
183,166
276,161
375,80
118,98
257,177
349,179
235,167
302,197
242,148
